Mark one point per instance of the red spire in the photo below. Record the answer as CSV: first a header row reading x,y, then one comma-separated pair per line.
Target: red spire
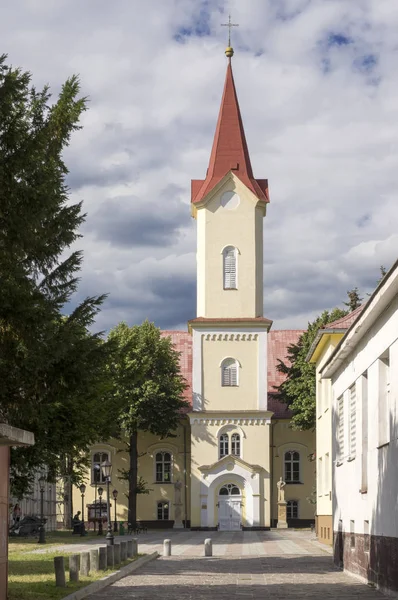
x,y
229,152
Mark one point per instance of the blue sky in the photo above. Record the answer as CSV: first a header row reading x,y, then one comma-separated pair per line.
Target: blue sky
x,y
318,87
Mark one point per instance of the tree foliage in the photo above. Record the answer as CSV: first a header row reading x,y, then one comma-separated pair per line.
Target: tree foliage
x,y
52,369
354,299
298,390
147,388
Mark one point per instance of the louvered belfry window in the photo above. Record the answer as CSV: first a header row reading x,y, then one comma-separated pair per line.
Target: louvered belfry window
x,y
229,376
230,268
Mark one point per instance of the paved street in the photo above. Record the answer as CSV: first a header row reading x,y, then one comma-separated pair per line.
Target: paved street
x,y
278,565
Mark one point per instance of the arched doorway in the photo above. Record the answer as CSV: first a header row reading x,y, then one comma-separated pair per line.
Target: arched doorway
x,y
229,507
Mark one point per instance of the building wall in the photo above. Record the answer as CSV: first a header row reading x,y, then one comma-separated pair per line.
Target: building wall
x,y
366,486
148,445
284,438
254,435
241,227
324,441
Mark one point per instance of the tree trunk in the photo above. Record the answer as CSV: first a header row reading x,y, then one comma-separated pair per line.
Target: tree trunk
x,y
133,476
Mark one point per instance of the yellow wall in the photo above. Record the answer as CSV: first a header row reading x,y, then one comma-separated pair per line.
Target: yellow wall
x,y
148,444
255,446
218,227
325,347
285,438
245,395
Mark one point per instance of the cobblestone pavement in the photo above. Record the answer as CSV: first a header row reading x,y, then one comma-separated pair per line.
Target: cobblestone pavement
x,y
277,565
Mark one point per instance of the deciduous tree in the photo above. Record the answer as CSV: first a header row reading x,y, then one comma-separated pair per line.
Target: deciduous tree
x,y
148,389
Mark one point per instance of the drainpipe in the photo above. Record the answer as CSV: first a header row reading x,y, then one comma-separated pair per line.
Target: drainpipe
x,y
185,479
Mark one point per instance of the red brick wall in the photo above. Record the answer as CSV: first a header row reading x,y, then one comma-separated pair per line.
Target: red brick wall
x,y
4,479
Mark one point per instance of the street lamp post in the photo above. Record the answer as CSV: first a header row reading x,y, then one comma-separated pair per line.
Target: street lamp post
x,y
82,491
114,494
106,471
42,531
100,492
97,471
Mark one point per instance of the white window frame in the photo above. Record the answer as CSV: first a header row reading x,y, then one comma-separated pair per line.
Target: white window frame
x,y
226,378
223,441
155,461
291,461
230,268
235,443
384,399
102,453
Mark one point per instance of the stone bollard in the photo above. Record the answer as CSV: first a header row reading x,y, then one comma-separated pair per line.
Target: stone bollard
x,y
74,567
102,558
59,566
123,551
85,564
110,557
117,554
94,560
132,548
208,547
167,548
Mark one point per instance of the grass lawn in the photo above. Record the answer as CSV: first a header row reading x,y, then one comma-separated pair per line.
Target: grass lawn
x,y
53,538
31,576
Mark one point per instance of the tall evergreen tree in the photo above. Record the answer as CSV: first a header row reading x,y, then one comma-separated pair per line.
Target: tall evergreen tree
x,y
148,390
354,299
52,369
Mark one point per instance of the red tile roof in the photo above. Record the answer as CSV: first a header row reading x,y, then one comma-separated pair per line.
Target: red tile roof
x,y
278,342
347,321
230,151
182,341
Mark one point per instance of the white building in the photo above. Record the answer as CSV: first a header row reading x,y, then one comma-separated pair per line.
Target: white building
x,y
363,370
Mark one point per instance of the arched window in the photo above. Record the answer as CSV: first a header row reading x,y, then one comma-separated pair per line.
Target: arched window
x,y
229,372
292,466
96,472
230,271
292,509
163,467
235,444
229,490
163,511
224,444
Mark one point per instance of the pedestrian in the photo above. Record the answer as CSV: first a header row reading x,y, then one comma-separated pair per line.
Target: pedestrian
x,y
16,514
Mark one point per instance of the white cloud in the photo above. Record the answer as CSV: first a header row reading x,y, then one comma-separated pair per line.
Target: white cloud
x,y
317,83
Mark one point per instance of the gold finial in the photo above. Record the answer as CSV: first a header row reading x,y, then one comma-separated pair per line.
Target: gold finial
x,y
229,50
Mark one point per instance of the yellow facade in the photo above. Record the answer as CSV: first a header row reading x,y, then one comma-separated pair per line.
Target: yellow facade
x,y
325,345
217,228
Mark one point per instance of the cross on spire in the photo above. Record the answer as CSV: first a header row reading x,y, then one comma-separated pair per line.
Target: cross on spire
x,y
229,25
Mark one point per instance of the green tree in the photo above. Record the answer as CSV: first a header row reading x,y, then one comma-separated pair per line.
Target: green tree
x,y
52,369
354,299
148,390
299,388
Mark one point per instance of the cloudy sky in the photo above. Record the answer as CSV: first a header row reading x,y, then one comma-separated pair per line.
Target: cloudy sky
x,y
317,82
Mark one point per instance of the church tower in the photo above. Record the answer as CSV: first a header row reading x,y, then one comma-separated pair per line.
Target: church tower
x,y
230,463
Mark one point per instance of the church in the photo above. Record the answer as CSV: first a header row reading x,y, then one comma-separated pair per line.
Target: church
x,y
221,469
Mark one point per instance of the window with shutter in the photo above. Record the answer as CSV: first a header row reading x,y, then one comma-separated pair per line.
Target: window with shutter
x,y
230,268
229,372
340,430
353,421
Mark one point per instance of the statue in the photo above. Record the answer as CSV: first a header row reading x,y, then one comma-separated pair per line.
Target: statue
x,y
281,492
178,524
